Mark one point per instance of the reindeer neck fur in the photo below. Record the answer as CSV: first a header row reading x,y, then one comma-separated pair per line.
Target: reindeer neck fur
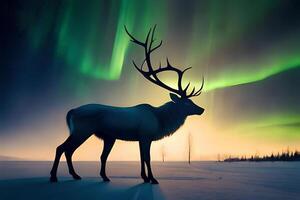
x,y
171,118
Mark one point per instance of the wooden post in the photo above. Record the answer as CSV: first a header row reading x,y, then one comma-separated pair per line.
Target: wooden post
x,y
189,148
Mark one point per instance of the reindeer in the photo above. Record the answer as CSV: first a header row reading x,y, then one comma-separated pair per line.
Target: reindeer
x,y
143,123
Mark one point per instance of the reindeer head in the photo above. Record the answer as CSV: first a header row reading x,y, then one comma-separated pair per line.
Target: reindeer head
x,y
179,96
186,105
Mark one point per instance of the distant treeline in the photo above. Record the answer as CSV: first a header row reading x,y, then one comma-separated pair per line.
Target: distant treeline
x,y
284,156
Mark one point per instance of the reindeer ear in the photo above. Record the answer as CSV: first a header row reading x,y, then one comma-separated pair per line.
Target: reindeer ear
x,y
174,97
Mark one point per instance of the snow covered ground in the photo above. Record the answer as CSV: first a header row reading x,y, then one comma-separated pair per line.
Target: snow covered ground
x,y
178,180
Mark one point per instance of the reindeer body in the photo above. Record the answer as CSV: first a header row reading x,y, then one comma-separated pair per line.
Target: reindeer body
x,y
136,123
143,123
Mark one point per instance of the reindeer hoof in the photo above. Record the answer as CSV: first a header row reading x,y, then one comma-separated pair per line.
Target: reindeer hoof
x,y
154,181
105,179
76,177
146,180
53,179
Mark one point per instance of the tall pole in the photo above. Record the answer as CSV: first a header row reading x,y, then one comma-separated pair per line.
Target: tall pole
x,y
189,148
163,153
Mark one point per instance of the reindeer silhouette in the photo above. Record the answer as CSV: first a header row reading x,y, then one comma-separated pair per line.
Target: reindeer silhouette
x,y
143,123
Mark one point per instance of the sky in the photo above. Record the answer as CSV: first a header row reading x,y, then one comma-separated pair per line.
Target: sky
x,y
57,55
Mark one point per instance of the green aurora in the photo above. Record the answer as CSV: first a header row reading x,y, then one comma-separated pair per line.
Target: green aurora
x,y
83,37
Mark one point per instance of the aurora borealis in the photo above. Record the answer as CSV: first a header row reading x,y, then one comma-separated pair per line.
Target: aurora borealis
x,y
61,54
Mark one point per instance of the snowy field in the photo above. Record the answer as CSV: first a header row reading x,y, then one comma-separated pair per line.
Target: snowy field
x,y
178,180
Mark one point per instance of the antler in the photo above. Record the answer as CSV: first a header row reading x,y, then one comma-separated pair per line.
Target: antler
x,y
151,73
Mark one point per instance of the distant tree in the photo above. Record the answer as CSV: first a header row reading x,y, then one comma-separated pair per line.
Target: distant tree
x,y
297,156
252,158
163,153
277,156
285,155
219,157
189,147
272,157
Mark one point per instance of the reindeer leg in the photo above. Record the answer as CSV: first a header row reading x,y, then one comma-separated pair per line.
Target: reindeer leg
x,y
108,144
146,149
68,154
143,173
59,152
72,144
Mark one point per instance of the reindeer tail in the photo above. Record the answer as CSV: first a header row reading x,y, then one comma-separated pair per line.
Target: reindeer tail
x,y
69,121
